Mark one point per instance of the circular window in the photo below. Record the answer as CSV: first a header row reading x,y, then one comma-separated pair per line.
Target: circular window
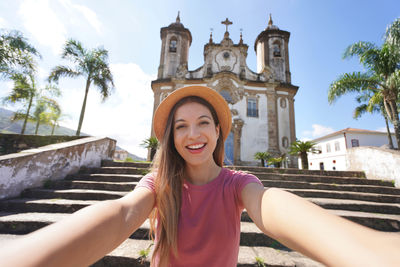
x,y
226,55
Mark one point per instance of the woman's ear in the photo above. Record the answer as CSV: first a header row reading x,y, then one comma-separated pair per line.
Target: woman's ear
x,y
217,130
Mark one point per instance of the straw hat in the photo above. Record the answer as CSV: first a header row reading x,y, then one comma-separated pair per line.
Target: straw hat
x,y
208,94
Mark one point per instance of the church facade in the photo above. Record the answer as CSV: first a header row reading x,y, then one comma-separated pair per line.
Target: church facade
x,y
261,102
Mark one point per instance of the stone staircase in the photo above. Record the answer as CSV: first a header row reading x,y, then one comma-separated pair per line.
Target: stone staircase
x,y
372,203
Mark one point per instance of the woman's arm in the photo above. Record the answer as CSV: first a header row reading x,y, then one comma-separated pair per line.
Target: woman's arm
x,y
315,232
83,237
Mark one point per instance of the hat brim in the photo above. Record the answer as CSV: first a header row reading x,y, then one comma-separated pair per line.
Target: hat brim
x,y
208,94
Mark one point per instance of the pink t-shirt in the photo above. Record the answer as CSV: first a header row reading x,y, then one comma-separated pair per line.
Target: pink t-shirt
x,y
209,222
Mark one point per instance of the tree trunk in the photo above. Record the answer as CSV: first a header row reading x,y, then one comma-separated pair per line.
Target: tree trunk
x,y
304,160
52,129
152,153
37,127
78,131
389,134
262,163
27,115
396,121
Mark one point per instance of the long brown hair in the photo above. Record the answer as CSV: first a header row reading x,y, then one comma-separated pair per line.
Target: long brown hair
x,y
169,168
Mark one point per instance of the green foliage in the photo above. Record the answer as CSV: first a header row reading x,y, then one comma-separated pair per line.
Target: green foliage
x,y
92,64
260,262
301,148
144,254
262,156
129,159
152,144
378,87
17,55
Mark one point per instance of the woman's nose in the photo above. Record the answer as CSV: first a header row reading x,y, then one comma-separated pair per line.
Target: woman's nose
x,y
194,131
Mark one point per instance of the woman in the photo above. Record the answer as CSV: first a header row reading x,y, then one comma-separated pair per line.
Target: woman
x,y
197,204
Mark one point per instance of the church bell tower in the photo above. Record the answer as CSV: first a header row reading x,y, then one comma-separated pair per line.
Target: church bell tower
x,y
272,51
176,40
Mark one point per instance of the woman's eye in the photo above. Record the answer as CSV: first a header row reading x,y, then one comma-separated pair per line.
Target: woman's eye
x,y
179,127
204,123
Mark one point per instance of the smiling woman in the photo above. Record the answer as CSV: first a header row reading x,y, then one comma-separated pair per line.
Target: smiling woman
x,y
187,187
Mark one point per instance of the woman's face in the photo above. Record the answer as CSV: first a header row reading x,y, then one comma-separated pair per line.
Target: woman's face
x,y
195,134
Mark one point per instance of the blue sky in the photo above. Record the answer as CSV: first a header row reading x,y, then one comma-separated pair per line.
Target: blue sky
x,y
130,31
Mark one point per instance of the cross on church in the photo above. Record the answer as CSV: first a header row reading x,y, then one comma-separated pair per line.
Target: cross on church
x,y
227,23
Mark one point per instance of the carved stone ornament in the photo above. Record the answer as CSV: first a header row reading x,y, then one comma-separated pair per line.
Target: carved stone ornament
x,y
181,71
226,84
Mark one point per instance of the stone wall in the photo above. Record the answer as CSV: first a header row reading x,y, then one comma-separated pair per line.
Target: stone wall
x,y
13,143
32,168
377,163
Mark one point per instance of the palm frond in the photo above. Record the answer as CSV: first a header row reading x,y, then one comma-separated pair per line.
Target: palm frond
x,y
62,71
392,34
352,82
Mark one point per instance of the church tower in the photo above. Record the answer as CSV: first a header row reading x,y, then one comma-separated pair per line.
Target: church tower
x,y
261,103
272,51
176,40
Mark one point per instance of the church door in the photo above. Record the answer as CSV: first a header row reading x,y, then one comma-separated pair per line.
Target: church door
x,y
228,160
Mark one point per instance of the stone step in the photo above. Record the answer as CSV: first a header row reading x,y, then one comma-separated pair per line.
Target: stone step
x,y
106,177
262,176
322,179
128,254
253,169
87,194
78,194
71,205
92,185
111,163
115,170
332,186
128,185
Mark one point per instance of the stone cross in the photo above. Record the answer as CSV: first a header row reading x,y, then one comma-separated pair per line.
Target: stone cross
x,y
227,23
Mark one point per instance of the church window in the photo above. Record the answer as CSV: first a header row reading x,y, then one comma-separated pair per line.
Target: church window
x,y
285,142
337,146
172,44
328,148
283,102
252,109
354,143
318,150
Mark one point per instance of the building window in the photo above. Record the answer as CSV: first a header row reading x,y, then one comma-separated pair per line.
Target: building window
x,y
277,49
172,44
328,148
354,143
283,102
252,110
285,142
337,146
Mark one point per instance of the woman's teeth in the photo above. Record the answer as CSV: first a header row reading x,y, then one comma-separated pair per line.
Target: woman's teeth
x,y
196,146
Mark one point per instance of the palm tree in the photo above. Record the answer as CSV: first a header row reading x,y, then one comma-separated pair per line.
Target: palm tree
x,y
16,54
39,114
374,105
92,64
262,156
152,144
382,74
24,91
301,148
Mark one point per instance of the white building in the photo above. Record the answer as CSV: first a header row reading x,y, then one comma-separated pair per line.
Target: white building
x,y
332,149
261,102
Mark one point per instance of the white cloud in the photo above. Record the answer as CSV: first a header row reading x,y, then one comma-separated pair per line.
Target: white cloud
x,y
88,14
125,116
3,23
43,23
317,131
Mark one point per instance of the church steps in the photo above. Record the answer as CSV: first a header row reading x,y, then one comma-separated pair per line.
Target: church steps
x,y
63,205
82,194
106,177
128,185
128,255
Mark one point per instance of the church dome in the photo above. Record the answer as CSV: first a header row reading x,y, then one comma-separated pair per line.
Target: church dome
x,y
177,23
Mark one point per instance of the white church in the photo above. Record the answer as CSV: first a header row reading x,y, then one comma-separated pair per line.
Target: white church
x,y
261,102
